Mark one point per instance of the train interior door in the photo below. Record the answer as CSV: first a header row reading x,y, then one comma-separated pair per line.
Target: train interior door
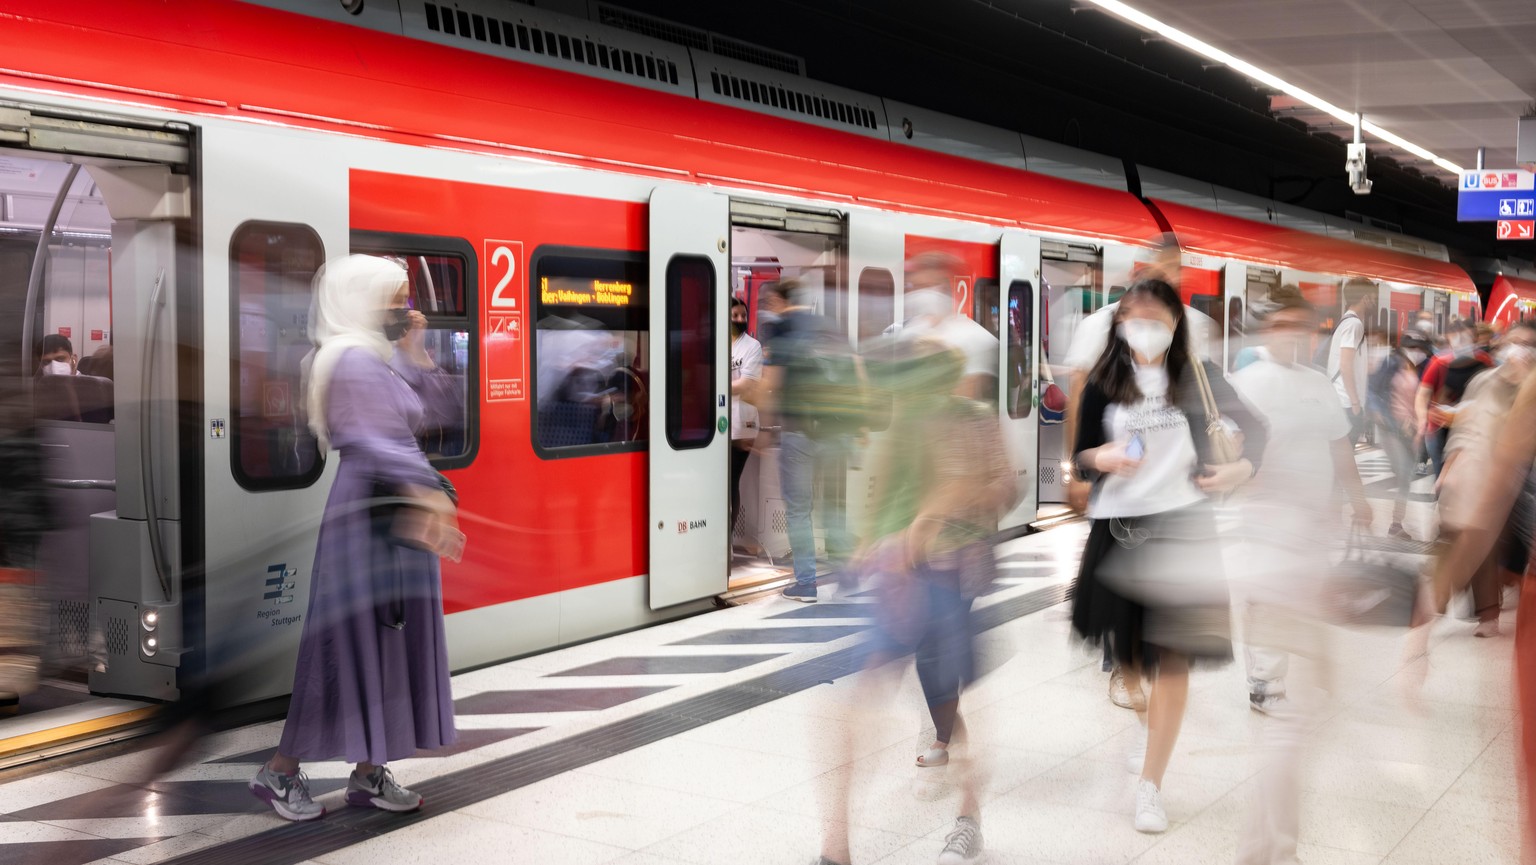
x,y
690,410
773,243
1071,289
98,327
1009,308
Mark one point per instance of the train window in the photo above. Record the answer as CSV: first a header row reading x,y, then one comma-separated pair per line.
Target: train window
x,y
877,302
271,272
690,352
591,321
1021,353
441,271
984,309
691,313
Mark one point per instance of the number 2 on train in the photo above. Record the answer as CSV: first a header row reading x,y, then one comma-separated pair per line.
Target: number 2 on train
x,y
505,253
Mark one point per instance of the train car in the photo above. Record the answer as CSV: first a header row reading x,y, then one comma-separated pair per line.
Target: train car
x,y
173,177
1512,298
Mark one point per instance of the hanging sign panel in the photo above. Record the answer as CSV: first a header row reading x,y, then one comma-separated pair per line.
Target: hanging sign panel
x,y
1493,194
1516,229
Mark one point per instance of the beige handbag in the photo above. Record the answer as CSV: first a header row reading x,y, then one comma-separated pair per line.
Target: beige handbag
x,y
1224,447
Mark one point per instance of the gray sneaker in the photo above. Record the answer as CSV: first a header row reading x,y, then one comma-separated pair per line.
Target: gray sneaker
x,y
287,794
379,790
963,844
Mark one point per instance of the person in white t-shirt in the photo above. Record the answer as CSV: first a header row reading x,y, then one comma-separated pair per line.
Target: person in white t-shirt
x,y
1347,355
746,372
1288,533
1144,436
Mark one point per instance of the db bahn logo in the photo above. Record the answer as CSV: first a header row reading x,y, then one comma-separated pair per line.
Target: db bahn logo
x,y
685,526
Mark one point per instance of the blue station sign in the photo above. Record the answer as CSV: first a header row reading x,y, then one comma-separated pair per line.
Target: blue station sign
x,y
1492,194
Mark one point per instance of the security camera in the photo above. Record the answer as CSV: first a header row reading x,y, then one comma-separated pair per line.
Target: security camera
x,y
1354,166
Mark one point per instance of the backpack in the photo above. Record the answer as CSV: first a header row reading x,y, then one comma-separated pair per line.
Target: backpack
x,y
823,382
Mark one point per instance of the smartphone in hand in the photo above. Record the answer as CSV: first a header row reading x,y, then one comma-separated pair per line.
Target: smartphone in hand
x,y
1136,448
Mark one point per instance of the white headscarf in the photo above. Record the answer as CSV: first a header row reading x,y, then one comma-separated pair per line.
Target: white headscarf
x,y
350,297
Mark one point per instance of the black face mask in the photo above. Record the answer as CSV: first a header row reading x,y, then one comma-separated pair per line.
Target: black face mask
x,y
738,328
397,320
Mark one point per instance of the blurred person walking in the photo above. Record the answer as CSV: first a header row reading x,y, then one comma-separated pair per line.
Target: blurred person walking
x,y
1480,417
942,481
371,683
1287,537
930,309
814,384
1444,383
1389,403
1150,437
1509,484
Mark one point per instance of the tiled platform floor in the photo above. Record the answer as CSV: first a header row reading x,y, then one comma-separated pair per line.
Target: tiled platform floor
x,y
1385,782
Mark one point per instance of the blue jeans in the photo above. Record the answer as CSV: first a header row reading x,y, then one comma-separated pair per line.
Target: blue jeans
x,y
802,460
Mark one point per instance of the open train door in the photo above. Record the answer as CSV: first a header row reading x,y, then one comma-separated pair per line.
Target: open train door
x,y
1018,403
690,409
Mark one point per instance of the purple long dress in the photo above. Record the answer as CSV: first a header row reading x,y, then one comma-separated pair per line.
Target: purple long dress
x,y
364,690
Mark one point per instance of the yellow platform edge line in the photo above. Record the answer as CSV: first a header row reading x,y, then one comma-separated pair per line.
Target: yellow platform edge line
x,y
77,730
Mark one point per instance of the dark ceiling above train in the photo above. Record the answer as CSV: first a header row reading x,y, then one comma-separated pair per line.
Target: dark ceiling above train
x,y
1445,74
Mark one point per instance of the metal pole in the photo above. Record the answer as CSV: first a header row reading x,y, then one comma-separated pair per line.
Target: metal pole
x,y
35,281
1482,153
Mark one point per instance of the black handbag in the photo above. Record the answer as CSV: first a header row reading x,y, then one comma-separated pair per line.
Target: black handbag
x,y
1369,587
387,509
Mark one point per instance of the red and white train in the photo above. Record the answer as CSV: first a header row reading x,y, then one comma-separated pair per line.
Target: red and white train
x,y
576,205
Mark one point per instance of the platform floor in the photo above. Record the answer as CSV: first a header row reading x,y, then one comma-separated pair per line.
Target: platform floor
x,y
708,740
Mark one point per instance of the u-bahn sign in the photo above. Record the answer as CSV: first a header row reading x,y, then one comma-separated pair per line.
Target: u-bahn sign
x,y
1492,194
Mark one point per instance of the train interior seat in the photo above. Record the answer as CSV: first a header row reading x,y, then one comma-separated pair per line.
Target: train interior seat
x,y
80,398
73,452
564,423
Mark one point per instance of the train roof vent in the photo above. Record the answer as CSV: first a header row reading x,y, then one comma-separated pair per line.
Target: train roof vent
x,y
740,85
697,39
550,39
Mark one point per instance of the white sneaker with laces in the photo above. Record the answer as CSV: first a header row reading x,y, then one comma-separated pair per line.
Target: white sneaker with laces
x,y
287,794
963,844
1150,817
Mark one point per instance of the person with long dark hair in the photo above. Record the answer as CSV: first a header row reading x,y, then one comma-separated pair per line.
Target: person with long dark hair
x,y
1151,584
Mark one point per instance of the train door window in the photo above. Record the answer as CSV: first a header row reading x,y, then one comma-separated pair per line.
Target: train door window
x,y
984,309
1073,275
1259,282
803,244
1021,354
272,269
441,272
591,387
877,302
691,314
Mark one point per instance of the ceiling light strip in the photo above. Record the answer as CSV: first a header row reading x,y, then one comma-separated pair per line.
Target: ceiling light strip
x,y
1205,49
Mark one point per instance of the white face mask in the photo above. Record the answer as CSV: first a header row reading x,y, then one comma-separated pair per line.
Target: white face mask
x,y
57,367
1519,355
1146,337
1414,356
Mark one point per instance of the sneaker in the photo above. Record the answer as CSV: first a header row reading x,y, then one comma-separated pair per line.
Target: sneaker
x,y
1487,629
379,790
287,794
1136,757
1123,696
1396,530
1149,808
1269,704
805,594
962,846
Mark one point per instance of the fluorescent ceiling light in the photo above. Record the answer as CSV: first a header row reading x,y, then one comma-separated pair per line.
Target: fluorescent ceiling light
x,y
1205,49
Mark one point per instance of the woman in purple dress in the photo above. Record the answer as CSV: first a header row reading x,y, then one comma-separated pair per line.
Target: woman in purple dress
x,y
372,678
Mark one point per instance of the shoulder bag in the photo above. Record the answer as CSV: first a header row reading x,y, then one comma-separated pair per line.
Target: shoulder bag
x,y
1224,447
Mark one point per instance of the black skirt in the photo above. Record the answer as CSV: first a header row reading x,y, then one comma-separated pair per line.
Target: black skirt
x,y
1138,628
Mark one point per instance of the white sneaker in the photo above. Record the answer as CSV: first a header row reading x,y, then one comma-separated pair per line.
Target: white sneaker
x,y
1149,808
1136,757
1270,704
963,844
1487,629
1123,696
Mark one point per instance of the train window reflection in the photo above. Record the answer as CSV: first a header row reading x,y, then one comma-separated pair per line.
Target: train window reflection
x,y
272,268
1021,354
440,271
691,312
591,386
877,302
